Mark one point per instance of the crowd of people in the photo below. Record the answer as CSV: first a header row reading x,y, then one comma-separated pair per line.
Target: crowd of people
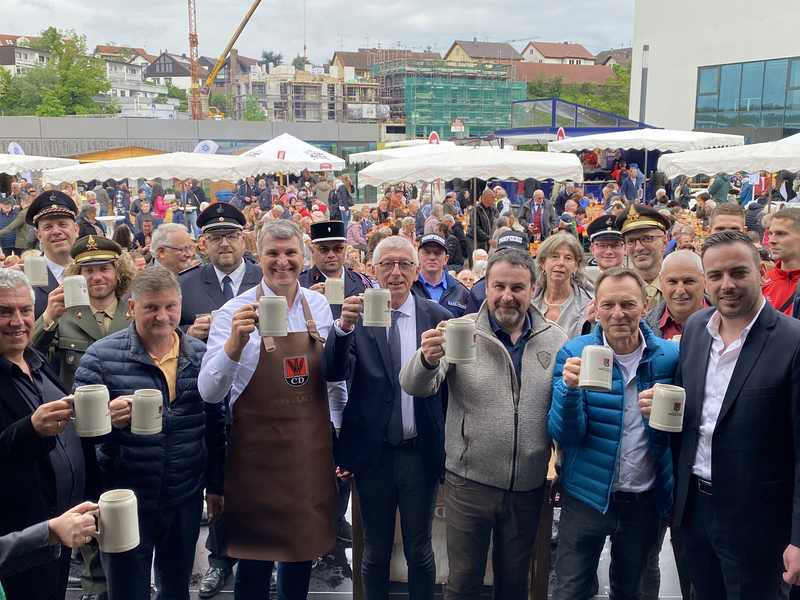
x,y
265,435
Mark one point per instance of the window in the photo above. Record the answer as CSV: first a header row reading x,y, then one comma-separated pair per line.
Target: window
x,y
708,81
530,51
775,84
167,80
730,78
122,93
752,80
458,51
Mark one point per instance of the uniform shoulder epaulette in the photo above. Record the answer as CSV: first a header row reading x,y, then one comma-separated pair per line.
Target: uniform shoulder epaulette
x,y
190,269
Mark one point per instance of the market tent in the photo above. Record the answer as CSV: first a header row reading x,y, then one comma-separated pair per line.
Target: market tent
x,y
289,148
177,165
792,139
374,156
771,157
663,140
13,164
483,163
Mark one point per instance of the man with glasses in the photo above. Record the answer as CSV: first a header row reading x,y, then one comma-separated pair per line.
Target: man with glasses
x,y
645,232
607,245
206,288
172,248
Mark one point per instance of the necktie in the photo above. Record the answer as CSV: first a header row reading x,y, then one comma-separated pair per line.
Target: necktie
x,y
100,317
227,288
394,434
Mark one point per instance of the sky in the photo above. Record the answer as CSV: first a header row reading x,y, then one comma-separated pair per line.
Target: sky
x,y
159,25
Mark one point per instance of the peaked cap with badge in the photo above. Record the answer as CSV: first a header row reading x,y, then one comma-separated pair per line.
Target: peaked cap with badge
x,y
221,216
641,216
95,250
51,203
328,231
602,228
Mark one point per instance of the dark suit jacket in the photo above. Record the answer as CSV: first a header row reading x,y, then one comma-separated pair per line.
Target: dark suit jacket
x,y
353,285
363,355
41,293
202,293
756,442
29,490
139,237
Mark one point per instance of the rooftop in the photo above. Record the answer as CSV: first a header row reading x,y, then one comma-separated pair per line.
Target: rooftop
x,y
561,50
596,74
490,50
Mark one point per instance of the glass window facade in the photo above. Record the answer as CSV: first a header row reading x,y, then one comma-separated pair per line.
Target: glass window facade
x,y
752,94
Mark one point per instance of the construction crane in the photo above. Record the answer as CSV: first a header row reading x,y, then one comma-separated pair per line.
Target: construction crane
x,y
197,106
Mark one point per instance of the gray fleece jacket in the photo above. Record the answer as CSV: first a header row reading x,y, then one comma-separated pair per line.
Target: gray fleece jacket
x,y
495,430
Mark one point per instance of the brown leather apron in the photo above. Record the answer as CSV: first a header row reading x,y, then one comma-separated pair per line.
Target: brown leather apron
x,y
280,487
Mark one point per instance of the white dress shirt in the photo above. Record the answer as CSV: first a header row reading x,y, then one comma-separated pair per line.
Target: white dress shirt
x,y
236,277
220,374
407,324
56,269
718,376
635,470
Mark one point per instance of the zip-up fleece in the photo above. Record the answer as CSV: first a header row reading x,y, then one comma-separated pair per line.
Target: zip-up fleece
x,y
496,430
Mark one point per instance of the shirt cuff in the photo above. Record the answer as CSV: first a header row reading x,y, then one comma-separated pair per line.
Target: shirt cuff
x,y
341,332
48,324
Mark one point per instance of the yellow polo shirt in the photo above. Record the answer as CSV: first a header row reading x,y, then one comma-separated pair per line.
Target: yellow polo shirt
x,y
169,365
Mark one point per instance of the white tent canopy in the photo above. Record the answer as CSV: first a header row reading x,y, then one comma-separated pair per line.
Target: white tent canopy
x,y
12,164
289,148
374,156
177,165
483,163
664,140
792,139
770,157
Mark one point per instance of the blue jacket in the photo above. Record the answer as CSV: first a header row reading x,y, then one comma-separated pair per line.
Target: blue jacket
x,y
167,469
454,298
590,424
628,189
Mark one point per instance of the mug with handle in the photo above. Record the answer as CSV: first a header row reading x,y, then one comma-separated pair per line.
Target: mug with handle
x,y
117,521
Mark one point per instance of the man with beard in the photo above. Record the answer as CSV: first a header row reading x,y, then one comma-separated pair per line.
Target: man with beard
x,y
737,493
509,447
53,215
644,230
477,293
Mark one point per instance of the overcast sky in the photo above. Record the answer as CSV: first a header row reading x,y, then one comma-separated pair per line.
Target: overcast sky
x,y
277,25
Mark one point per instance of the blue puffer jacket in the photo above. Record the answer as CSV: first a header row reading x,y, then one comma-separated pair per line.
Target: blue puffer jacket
x,y
589,425
166,469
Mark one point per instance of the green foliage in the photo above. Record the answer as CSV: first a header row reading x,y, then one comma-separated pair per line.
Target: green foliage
x,y
219,100
174,92
160,99
5,80
65,84
299,62
112,106
253,110
270,56
612,96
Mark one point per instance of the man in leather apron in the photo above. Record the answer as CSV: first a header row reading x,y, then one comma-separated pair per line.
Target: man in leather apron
x,y
280,486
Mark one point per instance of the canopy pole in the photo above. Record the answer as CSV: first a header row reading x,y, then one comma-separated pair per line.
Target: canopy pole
x,y
644,188
475,218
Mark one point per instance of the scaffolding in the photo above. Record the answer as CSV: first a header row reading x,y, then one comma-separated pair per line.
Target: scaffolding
x,y
428,95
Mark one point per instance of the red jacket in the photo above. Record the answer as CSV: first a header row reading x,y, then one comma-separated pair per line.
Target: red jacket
x,y
780,286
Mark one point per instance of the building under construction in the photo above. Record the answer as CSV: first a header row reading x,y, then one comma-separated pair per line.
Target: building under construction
x,y
453,99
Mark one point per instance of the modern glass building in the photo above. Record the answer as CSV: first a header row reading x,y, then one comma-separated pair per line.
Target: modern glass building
x,y
764,93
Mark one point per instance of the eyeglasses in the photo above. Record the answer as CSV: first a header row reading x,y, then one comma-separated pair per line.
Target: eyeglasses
x,y
216,240
645,240
185,250
387,266
614,246
326,249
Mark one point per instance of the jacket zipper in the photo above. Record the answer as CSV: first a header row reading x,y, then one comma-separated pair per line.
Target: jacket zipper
x,y
514,455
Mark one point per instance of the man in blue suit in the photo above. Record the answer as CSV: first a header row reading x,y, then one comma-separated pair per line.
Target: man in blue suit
x,y
737,494
391,442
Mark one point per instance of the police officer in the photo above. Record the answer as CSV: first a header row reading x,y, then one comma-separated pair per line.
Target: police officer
x,y
328,246
52,214
510,239
433,282
207,287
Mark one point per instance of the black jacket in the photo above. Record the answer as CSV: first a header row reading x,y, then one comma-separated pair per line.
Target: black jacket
x,y
454,252
752,219
454,298
85,227
458,231
485,218
353,285
549,217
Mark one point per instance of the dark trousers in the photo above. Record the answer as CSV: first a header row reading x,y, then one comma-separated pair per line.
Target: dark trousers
x,y
172,533
651,579
632,524
477,513
217,546
252,580
721,569
93,579
399,481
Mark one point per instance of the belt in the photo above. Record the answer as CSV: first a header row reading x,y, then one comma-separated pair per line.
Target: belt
x,y
411,444
703,485
629,497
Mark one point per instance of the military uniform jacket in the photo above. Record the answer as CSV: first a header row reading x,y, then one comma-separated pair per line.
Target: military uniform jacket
x,y
354,284
76,331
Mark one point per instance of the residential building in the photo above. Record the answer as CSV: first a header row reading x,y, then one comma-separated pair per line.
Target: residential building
x,y
615,56
697,79
15,59
557,54
173,69
475,51
126,81
127,54
361,62
596,74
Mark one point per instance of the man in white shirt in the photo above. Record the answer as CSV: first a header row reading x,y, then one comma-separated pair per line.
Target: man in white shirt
x,y
737,494
280,404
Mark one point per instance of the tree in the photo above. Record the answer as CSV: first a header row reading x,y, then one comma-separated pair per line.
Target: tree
x,y
24,92
299,62
253,110
175,92
50,105
220,100
270,56
612,96
5,81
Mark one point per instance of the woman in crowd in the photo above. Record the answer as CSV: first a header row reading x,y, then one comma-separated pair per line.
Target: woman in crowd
x,y
562,290
344,200
355,233
157,204
407,229
69,190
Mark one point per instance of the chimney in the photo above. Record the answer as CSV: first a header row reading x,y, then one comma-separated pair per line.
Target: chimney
x,y
474,41
233,58
183,55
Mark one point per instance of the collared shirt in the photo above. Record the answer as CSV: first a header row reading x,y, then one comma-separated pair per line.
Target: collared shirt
x,y
169,365
718,375
669,327
236,277
56,269
109,311
435,291
654,294
220,374
515,349
67,456
635,469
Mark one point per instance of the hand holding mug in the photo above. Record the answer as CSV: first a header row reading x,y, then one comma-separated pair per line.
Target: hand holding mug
x,y
243,323
200,328
572,372
646,402
432,344
55,304
120,411
51,418
74,528
351,312
318,287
